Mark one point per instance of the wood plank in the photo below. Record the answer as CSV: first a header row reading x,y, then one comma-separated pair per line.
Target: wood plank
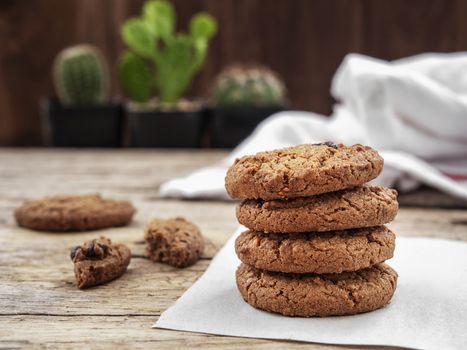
x,y
304,40
395,29
104,332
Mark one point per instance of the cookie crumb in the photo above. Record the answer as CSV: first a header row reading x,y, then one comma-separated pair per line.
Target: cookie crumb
x,y
176,242
99,261
327,143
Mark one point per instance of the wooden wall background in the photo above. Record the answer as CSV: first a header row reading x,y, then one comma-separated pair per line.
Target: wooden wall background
x,y
304,40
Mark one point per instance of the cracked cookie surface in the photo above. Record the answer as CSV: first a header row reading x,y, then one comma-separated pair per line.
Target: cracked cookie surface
x,y
330,252
345,209
302,171
99,261
175,242
74,213
310,295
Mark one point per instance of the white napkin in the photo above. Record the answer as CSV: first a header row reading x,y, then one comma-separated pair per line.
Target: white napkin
x,y
414,111
428,310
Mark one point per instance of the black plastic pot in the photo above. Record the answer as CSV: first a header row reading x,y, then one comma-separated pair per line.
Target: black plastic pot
x,y
83,126
231,125
165,129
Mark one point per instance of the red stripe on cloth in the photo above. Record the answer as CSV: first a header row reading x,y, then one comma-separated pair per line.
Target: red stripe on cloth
x,y
457,177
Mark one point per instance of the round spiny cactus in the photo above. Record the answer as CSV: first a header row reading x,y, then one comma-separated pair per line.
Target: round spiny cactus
x,y
248,86
81,76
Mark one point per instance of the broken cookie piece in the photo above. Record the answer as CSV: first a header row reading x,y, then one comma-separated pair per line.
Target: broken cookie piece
x,y
99,261
176,242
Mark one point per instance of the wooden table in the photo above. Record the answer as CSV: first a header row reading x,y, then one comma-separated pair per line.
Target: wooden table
x,y
39,303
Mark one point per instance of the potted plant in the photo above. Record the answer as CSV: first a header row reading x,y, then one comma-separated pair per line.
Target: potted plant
x,y
161,62
242,97
81,115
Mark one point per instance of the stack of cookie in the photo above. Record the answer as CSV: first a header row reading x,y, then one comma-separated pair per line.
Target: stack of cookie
x,y
316,243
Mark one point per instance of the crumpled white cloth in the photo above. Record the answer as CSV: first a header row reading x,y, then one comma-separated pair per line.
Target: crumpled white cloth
x,y
413,111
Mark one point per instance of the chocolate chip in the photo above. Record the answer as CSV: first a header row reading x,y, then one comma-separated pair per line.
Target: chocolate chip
x,y
73,252
327,143
90,253
104,247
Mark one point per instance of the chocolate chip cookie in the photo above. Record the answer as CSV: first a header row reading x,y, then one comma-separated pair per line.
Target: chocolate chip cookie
x,y
74,213
99,261
309,295
302,171
357,207
330,252
176,242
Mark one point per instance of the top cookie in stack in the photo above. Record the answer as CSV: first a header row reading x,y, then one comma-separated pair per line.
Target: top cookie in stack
x,y
316,237
302,171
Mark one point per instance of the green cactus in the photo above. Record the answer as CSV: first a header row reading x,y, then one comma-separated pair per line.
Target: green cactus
x,y
81,76
239,85
158,59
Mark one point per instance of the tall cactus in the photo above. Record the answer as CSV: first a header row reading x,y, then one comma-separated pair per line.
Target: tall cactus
x,y
240,85
160,59
81,76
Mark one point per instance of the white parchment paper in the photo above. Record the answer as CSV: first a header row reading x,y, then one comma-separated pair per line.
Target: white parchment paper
x,y
428,311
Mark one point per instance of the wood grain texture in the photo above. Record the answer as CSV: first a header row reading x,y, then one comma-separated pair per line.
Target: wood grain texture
x,y
304,40
123,332
40,306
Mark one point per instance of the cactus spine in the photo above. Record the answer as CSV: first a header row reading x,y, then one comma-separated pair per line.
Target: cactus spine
x,y
239,85
81,76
